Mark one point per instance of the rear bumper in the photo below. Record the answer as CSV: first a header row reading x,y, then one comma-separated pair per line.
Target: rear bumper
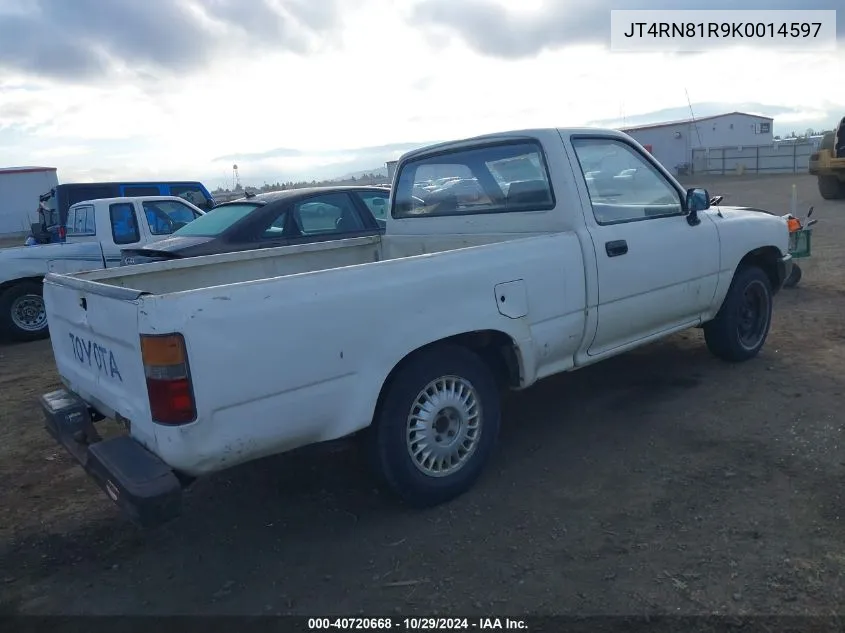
x,y
145,488
784,268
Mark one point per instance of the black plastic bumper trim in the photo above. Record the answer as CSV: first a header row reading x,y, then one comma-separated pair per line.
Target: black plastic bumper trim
x,y
145,488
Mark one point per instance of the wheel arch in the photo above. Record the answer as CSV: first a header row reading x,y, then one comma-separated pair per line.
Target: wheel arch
x,y
765,258
498,350
5,285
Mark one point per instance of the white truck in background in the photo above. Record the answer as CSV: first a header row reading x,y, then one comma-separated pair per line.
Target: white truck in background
x,y
19,191
408,336
97,230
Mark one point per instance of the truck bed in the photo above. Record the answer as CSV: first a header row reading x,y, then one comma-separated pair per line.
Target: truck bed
x,y
194,273
310,325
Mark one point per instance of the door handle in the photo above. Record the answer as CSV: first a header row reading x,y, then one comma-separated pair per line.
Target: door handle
x,y
616,248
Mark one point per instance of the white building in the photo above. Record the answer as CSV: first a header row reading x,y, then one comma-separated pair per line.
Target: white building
x,y
672,143
19,191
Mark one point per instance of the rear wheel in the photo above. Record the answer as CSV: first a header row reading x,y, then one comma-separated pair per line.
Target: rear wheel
x,y
830,188
437,425
22,313
742,324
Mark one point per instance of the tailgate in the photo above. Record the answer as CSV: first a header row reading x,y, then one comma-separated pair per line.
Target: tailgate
x,y
94,334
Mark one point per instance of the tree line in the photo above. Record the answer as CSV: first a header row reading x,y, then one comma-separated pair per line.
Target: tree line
x,y
363,179
806,134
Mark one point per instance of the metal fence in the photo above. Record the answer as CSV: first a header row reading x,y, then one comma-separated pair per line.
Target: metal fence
x,y
779,158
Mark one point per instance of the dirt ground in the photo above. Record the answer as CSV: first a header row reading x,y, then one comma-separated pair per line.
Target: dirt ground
x,y
661,481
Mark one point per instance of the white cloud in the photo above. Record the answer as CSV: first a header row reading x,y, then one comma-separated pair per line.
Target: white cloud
x,y
62,151
382,81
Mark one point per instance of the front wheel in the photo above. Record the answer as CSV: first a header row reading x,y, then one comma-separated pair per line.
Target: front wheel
x,y
437,426
23,316
742,324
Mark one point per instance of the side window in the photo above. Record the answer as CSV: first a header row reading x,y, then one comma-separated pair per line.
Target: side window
x,y
376,203
80,221
326,214
71,222
166,216
193,194
90,222
623,185
276,230
496,178
124,224
141,191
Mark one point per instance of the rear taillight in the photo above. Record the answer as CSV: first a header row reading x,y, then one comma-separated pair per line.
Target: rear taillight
x,y
62,233
168,378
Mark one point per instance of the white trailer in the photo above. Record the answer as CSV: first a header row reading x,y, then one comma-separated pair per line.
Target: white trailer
x,y
19,191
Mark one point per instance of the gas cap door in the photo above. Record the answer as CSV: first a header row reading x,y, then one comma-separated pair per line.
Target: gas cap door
x,y
512,299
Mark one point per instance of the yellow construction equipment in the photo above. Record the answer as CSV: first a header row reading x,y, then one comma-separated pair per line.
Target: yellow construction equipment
x,y
828,164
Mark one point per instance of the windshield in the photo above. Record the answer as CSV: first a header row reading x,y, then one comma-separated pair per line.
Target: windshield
x,y
217,220
165,216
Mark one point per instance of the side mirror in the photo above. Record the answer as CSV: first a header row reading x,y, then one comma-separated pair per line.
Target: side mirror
x,y
697,200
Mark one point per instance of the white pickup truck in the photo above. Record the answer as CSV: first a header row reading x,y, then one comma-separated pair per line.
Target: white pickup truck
x,y
410,336
96,232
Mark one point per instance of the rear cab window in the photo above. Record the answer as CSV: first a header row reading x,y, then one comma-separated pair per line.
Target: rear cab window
x,y
217,221
80,221
124,223
499,177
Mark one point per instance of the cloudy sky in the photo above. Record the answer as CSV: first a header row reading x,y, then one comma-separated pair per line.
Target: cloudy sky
x,y
138,89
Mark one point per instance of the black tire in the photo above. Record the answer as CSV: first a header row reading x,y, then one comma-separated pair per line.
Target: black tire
x,y
725,335
794,277
830,188
10,299
391,441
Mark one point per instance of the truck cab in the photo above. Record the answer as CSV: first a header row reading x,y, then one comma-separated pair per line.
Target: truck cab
x,y
54,204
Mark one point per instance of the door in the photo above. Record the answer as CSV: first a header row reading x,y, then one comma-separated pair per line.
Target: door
x,y
656,272
125,232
